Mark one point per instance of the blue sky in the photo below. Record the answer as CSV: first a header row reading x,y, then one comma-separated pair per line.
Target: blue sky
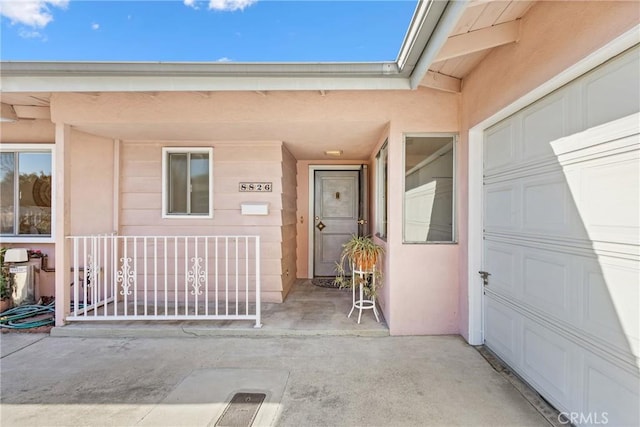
x,y
211,30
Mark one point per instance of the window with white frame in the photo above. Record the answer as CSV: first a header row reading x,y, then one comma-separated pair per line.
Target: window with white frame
x,y
381,192
429,188
25,190
187,177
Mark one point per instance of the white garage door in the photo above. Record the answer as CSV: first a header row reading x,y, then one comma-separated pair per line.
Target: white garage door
x,y
561,242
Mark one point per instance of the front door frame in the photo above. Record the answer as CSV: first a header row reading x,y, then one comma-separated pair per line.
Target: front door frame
x,y
311,223
475,261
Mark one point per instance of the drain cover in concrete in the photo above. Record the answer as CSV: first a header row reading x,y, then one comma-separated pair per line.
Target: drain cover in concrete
x,y
242,410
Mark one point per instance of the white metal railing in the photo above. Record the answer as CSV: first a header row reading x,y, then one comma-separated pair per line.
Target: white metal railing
x,y
165,278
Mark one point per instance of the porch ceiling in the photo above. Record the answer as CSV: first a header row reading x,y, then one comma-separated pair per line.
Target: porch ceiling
x,y
305,140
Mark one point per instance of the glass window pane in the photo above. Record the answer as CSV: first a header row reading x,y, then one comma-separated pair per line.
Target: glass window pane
x,y
7,193
428,195
199,183
382,166
178,183
34,193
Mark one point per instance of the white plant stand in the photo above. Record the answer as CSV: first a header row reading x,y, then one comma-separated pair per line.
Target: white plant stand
x,y
361,303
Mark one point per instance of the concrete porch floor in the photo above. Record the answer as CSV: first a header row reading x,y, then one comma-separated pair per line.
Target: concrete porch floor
x,y
316,366
307,310
308,380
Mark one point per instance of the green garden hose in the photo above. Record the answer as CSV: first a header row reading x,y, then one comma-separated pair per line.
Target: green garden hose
x,y
18,317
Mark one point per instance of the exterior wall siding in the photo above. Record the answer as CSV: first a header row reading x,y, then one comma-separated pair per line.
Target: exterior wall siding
x,y
141,202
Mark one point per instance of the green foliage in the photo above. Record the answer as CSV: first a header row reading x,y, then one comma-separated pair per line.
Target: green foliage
x,y
363,253
5,284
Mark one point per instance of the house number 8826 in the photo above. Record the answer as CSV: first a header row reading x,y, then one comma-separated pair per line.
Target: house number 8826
x,y
255,186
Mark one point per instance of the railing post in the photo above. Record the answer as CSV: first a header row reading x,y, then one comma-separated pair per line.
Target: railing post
x,y
61,227
258,291
76,276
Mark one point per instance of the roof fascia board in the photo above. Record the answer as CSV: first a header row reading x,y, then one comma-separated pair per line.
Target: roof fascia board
x,y
439,37
19,84
424,21
194,69
137,76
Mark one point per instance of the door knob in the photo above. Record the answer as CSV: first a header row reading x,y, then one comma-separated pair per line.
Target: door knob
x,y
362,221
320,226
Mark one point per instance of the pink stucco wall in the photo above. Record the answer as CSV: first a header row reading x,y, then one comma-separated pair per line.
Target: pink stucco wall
x,y
422,279
27,131
554,36
419,294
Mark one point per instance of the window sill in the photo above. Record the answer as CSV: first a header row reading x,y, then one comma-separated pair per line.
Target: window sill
x,y
430,243
165,216
25,239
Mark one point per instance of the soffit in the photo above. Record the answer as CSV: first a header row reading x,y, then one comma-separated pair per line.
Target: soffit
x,y
478,20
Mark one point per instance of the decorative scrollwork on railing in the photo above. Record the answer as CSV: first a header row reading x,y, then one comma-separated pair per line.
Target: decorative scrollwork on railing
x,y
196,276
125,276
92,266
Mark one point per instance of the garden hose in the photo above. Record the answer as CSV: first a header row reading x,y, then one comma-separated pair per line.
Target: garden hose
x,y
18,317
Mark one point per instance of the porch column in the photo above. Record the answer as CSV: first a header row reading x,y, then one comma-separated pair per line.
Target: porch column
x,y
62,229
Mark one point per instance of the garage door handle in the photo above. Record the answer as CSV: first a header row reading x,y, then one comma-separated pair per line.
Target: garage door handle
x,y
485,277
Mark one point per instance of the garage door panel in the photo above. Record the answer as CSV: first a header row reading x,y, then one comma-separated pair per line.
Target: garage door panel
x,y
608,93
546,282
610,390
609,210
502,261
547,360
500,209
499,147
610,301
546,205
504,338
600,316
542,123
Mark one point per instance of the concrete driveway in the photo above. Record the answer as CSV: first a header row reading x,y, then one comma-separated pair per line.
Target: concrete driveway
x,y
308,381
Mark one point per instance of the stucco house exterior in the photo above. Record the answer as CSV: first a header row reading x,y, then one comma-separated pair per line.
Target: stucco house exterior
x,y
504,139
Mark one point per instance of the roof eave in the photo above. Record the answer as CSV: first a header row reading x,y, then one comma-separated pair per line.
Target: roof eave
x,y
431,24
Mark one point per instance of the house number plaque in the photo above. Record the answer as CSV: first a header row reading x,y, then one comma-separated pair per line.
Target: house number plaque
x,y
260,187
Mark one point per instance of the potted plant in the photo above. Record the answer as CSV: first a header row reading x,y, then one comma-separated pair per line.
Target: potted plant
x,y
362,253
5,284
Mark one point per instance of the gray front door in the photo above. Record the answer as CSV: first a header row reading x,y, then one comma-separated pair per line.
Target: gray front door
x,y
336,207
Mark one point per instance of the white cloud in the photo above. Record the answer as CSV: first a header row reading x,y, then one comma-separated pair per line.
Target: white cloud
x,y
95,26
225,59
191,3
229,5
33,13
26,34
